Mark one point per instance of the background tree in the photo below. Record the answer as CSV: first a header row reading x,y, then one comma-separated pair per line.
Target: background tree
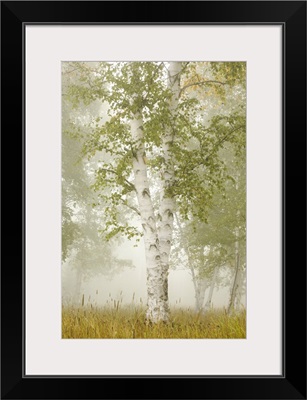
x,y
83,248
209,246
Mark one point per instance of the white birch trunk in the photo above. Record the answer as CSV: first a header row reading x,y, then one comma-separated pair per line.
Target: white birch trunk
x,y
209,299
239,295
200,285
236,280
238,268
195,284
157,309
167,203
200,293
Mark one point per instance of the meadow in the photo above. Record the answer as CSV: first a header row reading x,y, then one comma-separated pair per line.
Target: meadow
x,y
129,322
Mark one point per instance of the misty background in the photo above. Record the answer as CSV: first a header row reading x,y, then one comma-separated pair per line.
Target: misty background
x,y
100,267
129,285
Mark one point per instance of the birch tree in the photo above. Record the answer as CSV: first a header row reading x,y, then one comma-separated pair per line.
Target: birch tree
x,y
156,157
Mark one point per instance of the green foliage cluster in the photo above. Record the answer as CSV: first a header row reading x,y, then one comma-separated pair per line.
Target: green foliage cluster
x,y
130,88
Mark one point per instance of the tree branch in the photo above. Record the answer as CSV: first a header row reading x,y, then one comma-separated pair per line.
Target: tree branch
x,y
131,207
164,65
222,140
112,171
202,83
72,70
185,67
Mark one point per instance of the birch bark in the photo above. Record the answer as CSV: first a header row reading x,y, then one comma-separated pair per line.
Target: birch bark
x,y
157,309
238,303
209,299
167,202
157,234
238,270
195,281
236,280
202,286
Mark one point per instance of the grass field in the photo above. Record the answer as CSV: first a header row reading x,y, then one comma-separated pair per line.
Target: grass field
x,y
129,323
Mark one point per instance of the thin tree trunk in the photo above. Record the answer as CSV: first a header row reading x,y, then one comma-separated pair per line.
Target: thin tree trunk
x,y
209,300
199,288
240,289
167,202
200,294
157,307
236,277
203,282
200,285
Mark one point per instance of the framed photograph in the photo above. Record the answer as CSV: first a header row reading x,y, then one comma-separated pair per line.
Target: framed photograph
x,y
163,152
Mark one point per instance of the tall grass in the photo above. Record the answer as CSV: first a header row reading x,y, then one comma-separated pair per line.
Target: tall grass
x,y
128,322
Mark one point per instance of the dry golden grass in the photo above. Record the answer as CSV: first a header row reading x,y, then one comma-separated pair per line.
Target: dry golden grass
x,y
120,322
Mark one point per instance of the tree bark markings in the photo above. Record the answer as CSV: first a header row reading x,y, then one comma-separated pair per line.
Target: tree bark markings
x,y
157,232
156,308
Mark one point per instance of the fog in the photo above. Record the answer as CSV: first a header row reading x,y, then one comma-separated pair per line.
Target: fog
x,y
129,285
189,206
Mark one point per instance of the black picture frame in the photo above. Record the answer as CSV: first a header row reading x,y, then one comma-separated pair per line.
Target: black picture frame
x,y
292,383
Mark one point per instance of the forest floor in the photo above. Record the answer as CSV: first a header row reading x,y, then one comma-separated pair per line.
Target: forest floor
x,y
129,323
